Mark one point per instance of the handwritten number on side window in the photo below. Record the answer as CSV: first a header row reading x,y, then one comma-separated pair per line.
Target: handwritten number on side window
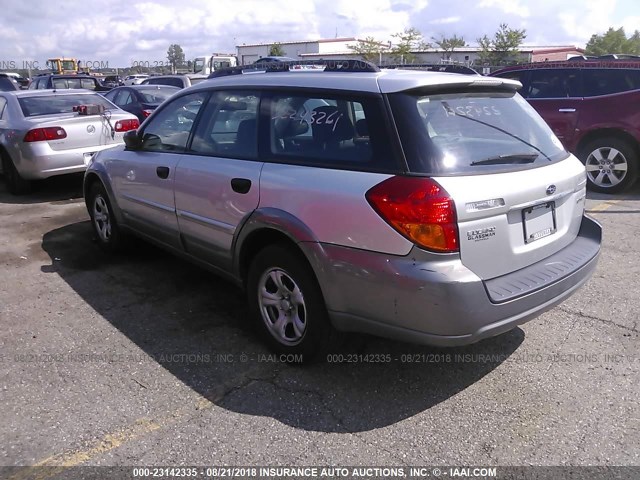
x,y
312,117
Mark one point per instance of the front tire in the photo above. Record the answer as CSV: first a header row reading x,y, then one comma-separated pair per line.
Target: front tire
x,y
105,226
286,304
611,163
15,183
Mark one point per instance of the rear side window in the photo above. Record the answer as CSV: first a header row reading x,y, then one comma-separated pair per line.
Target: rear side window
x,y
124,97
608,81
229,126
472,133
323,130
553,83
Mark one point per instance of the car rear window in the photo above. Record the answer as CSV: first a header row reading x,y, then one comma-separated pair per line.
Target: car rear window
x,y
472,133
156,95
56,104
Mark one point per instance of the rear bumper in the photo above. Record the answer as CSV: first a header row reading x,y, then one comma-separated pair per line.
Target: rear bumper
x,y
40,161
434,299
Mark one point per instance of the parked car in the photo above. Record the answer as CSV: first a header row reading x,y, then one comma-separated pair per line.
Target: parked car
x,y
141,100
22,82
45,133
135,79
8,83
593,106
112,81
431,207
43,82
180,81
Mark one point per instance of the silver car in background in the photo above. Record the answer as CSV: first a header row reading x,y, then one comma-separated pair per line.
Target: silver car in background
x,y
435,208
53,132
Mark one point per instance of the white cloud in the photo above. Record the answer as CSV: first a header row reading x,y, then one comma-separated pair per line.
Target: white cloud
x,y
446,20
507,6
119,31
592,18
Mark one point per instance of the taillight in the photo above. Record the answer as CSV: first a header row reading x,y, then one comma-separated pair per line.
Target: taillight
x,y
126,125
419,209
146,112
45,134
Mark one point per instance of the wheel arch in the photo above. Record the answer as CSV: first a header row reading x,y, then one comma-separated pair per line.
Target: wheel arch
x,y
272,226
607,132
96,176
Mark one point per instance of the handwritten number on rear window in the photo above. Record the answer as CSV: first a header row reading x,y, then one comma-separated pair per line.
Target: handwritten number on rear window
x,y
473,111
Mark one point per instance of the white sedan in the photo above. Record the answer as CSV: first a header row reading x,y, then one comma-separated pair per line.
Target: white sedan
x,y
53,132
135,79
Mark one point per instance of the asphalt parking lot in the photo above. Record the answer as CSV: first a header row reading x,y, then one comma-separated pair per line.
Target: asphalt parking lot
x,y
144,359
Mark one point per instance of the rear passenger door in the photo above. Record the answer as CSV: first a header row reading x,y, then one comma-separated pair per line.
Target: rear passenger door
x,y
217,184
556,95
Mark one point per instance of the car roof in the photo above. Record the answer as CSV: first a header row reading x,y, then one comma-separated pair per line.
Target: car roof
x,y
167,76
146,86
385,81
275,57
65,75
589,63
50,91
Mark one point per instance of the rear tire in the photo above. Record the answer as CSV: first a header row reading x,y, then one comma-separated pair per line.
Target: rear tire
x,y
15,183
287,306
611,163
105,226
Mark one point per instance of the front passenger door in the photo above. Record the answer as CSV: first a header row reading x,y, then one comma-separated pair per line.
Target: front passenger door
x,y
144,179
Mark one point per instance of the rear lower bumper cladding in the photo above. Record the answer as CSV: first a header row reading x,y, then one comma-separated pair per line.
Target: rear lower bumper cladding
x,y
433,299
552,269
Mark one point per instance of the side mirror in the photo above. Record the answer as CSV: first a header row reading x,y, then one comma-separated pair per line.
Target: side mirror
x,y
132,140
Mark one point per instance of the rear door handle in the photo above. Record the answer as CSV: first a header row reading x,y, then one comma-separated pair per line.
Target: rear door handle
x,y
567,110
241,185
162,172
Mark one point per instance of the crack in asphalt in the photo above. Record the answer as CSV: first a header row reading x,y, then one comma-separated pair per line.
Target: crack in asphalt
x,y
592,317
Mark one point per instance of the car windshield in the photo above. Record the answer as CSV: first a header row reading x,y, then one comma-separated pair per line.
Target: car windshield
x,y
56,104
472,132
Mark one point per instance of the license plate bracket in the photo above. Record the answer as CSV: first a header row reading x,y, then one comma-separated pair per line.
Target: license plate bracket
x,y
539,221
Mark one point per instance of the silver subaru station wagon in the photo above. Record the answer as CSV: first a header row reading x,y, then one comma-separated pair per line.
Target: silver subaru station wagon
x,y
435,208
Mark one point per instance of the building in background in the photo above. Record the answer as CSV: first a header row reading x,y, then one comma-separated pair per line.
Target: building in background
x,y
334,48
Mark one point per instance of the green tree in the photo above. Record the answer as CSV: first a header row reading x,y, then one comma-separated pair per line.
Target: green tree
x,y
369,49
276,50
614,41
176,57
503,47
409,40
448,44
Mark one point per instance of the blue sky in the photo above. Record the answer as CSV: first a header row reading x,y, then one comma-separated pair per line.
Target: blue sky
x,y
122,32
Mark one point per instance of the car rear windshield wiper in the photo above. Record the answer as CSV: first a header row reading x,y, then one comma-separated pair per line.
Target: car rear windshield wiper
x,y
508,159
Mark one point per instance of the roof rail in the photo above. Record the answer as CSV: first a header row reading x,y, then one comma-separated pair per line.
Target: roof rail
x,y
435,67
608,56
347,65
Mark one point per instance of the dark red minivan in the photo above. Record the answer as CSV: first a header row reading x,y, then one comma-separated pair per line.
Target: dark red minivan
x,y
593,106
